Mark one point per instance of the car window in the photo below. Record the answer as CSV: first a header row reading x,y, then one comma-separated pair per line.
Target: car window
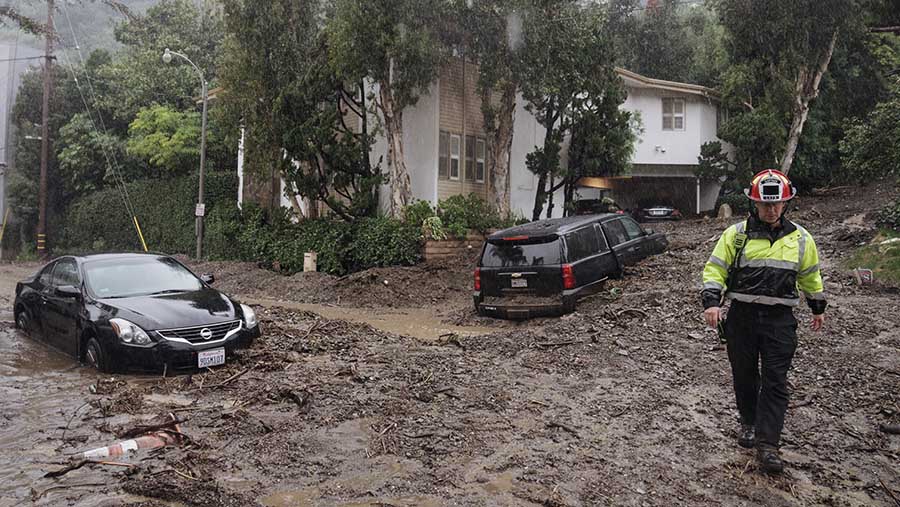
x,y
66,273
512,253
138,276
632,228
604,246
615,232
46,275
582,243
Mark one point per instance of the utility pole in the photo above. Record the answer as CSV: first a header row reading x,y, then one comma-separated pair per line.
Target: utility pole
x,y
45,138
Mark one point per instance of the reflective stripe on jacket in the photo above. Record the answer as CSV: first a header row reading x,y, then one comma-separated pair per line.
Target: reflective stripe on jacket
x,y
768,272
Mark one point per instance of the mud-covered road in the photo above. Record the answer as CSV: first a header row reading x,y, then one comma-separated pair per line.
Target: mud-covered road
x,y
383,388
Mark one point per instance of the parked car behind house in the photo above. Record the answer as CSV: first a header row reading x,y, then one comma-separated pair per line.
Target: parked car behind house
x,y
657,212
132,311
597,206
543,267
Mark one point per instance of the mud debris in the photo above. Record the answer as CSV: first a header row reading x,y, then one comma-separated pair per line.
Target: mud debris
x,y
627,401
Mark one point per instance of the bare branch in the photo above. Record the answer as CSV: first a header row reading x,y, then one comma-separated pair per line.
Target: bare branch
x,y
885,29
119,7
24,22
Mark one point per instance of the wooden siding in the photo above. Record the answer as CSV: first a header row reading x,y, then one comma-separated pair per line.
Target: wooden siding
x,y
452,91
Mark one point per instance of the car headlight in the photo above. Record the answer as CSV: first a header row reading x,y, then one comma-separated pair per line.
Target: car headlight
x,y
249,316
129,332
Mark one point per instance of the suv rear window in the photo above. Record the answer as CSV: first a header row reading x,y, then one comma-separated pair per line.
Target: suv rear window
x,y
501,254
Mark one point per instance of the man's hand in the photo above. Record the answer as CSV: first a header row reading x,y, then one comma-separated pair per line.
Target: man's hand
x,y
818,322
712,315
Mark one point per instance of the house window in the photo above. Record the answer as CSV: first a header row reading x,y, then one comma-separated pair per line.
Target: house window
x,y
480,155
454,157
673,114
470,158
444,155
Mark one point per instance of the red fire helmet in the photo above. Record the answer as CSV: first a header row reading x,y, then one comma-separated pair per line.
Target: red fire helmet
x,y
770,185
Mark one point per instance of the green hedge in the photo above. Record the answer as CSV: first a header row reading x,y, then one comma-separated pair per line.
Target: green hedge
x,y
165,210
341,247
98,223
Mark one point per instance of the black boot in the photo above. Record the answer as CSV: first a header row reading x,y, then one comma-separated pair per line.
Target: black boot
x,y
769,459
747,437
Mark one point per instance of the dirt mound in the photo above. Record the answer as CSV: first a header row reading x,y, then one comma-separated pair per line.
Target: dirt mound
x,y
394,287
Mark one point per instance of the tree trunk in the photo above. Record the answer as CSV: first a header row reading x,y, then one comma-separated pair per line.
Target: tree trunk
x,y
569,197
548,121
807,89
501,146
401,188
550,197
539,196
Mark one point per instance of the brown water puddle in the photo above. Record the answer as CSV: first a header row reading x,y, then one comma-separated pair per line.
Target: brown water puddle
x,y
36,398
413,322
40,390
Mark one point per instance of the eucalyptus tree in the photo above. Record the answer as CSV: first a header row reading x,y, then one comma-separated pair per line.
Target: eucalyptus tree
x,y
397,48
304,121
493,34
780,52
565,65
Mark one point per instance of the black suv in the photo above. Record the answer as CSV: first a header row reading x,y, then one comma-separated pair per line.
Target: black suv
x,y
543,267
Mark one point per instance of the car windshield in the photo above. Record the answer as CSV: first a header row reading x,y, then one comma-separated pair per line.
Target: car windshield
x,y
142,276
507,254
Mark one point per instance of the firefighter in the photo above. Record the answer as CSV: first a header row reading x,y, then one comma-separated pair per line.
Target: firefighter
x,y
762,264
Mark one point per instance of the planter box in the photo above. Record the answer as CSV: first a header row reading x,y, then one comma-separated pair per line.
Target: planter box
x,y
437,250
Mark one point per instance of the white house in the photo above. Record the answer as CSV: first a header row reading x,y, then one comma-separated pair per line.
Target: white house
x,y
445,145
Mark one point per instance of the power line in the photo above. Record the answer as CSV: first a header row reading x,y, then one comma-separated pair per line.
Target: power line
x,y
112,163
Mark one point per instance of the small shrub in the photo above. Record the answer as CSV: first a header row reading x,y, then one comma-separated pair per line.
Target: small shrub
x,y
460,213
433,228
418,212
889,216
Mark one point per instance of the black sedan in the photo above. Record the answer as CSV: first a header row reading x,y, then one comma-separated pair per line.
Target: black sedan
x,y
132,312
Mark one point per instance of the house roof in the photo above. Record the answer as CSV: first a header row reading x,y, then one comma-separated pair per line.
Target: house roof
x,y
638,81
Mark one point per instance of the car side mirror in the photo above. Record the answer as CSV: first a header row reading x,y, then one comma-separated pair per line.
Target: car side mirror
x,y
649,232
68,291
208,278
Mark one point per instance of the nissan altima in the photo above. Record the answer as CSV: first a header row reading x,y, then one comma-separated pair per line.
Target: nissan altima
x,y
132,312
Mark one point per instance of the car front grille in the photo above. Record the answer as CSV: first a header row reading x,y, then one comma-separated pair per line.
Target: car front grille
x,y
196,334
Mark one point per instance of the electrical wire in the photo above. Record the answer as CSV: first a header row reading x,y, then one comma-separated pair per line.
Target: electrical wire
x,y
112,164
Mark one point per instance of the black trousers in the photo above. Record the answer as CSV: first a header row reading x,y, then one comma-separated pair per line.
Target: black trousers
x,y
765,334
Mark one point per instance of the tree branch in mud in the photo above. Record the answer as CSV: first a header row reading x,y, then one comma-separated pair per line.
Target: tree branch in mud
x,y
149,428
78,464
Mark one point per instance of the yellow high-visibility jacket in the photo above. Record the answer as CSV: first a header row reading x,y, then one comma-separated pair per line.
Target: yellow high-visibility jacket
x,y
774,267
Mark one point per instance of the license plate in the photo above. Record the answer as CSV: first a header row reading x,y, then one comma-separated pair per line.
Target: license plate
x,y
519,282
213,357
657,213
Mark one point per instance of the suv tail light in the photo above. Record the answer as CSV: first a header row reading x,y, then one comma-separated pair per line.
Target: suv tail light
x,y
477,278
568,276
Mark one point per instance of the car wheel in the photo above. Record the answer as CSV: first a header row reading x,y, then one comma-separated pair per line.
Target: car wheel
x,y
23,322
94,356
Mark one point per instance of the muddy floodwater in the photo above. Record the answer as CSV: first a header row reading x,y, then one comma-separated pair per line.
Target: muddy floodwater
x,y
44,420
38,389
